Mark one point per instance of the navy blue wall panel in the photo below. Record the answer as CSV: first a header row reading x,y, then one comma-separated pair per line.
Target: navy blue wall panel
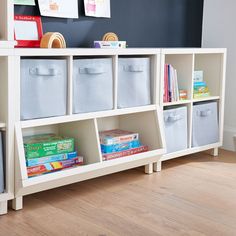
x,y
142,23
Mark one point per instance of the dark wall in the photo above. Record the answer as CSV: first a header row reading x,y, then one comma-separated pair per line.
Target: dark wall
x,y
142,23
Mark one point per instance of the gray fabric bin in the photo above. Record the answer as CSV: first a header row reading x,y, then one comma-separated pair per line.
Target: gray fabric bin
x,y
1,164
205,124
43,88
93,85
176,129
134,82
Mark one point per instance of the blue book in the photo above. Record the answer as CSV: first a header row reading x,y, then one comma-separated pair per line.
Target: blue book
x,y
119,147
54,158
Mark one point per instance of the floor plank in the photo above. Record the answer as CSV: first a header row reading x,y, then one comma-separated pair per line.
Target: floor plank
x,y
193,195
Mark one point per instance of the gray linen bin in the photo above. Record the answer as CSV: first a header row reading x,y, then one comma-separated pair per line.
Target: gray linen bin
x,y
134,82
205,124
176,129
43,88
93,85
1,163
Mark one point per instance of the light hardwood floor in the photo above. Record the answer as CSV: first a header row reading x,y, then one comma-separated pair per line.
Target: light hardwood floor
x,y
194,195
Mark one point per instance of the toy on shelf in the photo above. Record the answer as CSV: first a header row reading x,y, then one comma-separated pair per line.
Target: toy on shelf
x,y
110,40
200,88
53,40
119,143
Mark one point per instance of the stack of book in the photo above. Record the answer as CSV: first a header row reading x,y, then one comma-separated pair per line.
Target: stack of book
x,y
119,143
200,88
171,87
48,153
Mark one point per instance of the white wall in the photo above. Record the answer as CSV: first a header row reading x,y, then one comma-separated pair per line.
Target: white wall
x,y
219,30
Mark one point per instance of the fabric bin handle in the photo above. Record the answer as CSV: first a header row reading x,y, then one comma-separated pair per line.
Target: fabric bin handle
x,y
134,68
174,118
44,72
92,70
205,113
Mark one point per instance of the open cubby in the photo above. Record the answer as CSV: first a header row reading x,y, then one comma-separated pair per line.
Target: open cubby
x,y
183,63
144,123
84,133
212,66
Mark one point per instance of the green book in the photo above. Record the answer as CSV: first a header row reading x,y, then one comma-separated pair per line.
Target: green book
x,y
47,145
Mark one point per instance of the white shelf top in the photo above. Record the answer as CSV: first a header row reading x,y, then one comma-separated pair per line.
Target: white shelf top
x,y
2,125
192,50
85,51
7,44
206,99
85,116
166,104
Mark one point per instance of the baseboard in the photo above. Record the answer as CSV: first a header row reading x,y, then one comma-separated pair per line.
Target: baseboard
x,y
229,138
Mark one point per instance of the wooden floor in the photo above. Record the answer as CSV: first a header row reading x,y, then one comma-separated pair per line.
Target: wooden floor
x,y
194,195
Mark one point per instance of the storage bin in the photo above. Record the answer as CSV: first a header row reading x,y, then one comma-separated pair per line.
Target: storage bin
x,y
43,88
93,85
176,129
205,124
134,82
1,164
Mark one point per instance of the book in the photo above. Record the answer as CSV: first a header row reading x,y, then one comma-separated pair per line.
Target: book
x,y
54,166
116,136
47,145
198,76
129,152
171,86
120,146
44,160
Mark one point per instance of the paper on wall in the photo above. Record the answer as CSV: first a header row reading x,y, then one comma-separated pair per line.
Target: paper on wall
x,y
97,8
59,8
25,2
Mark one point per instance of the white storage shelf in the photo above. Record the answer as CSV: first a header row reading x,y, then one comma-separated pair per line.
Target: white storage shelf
x,y
84,127
147,120
186,61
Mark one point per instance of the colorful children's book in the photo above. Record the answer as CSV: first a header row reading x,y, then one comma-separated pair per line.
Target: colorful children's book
x,y
129,152
54,166
47,145
44,160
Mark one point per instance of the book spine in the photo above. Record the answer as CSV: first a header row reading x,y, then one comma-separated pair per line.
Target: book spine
x,y
130,152
44,160
53,166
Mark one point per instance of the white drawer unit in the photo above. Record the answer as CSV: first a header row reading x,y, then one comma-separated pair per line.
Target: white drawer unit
x,y
176,129
43,88
93,85
134,82
205,124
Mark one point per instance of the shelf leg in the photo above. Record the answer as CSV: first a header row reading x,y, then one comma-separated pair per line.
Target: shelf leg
x,y
215,152
157,166
3,208
149,169
17,203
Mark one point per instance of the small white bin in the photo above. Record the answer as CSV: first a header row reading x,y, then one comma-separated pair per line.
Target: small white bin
x,y
43,88
93,85
134,82
205,124
176,129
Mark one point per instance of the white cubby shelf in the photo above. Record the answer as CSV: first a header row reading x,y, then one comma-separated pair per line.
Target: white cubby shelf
x,y
212,61
147,120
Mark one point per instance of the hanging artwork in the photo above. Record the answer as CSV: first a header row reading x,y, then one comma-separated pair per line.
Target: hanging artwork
x,y
25,2
59,8
97,8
